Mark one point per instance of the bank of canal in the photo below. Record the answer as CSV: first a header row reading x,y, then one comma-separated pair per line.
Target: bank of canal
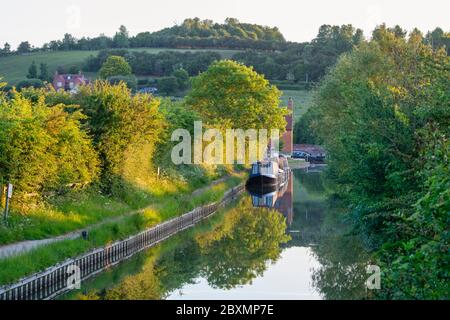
x,y
300,250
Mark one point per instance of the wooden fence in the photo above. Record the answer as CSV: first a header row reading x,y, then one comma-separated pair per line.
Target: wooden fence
x,y
54,280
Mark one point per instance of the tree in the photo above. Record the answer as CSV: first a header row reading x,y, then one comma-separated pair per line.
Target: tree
x,y
42,148
182,77
6,49
24,47
124,127
73,69
35,83
168,85
32,71
120,39
383,115
115,66
129,80
231,95
68,42
44,74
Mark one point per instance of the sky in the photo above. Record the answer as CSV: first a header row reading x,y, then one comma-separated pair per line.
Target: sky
x,y
45,20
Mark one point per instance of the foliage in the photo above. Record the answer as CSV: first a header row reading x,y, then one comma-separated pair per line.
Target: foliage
x,y
231,95
114,66
43,148
168,85
304,62
43,72
130,81
237,250
35,83
193,33
383,115
120,123
32,71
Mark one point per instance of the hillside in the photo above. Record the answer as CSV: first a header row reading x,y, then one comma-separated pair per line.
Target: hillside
x,y
14,68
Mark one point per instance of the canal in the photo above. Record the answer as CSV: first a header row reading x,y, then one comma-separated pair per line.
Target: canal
x,y
289,244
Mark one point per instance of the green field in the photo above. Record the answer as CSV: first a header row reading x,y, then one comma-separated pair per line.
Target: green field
x,y
302,101
15,68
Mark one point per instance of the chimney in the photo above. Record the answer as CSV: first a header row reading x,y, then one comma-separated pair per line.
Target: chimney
x,y
290,104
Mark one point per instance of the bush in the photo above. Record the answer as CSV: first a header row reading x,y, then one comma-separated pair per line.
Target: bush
x,y
43,148
115,66
168,85
130,81
35,83
122,126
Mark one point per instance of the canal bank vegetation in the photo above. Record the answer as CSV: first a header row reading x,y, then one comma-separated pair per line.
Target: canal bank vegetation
x,y
98,158
75,160
16,267
383,115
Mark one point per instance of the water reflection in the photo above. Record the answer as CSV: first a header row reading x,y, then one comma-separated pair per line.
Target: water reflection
x,y
283,244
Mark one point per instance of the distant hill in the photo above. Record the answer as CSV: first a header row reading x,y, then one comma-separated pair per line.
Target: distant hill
x,y
196,33
196,28
14,68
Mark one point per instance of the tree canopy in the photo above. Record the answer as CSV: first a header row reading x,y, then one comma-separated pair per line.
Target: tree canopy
x,y
231,95
115,66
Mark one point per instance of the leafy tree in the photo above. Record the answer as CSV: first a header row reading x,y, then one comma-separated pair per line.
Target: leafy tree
x,y
125,129
182,77
120,39
24,47
68,42
43,72
231,95
42,148
383,116
32,71
35,83
73,69
130,81
6,49
115,66
168,85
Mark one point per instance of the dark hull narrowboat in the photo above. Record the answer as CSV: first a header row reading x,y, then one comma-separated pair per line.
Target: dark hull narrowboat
x,y
264,173
273,172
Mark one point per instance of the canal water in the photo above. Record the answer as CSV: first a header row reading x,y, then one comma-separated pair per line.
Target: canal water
x,y
291,243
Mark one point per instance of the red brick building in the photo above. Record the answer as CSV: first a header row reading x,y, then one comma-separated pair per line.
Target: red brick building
x,y
287,137
69,82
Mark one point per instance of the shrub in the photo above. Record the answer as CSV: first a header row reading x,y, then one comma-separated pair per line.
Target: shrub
x,y
35,83
43,148
130,81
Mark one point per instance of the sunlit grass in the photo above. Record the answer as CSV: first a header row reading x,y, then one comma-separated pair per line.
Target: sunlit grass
x,y
14,268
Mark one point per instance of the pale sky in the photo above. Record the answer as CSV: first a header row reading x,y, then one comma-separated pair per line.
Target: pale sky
x,y
40,21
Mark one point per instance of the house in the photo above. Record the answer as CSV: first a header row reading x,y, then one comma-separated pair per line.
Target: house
x,y
69,82
287,137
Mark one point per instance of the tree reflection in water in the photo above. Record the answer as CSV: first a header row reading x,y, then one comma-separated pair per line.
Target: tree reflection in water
x,y
341,256
232,248
233,253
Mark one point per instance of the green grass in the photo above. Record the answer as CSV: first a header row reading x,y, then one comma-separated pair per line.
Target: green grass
x,y
15,68
302,101
78,210
14,268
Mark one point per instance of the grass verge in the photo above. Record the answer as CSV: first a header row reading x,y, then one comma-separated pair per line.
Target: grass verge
x,y
14,268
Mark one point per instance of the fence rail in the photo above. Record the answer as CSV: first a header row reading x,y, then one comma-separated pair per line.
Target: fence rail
x,y
54,280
